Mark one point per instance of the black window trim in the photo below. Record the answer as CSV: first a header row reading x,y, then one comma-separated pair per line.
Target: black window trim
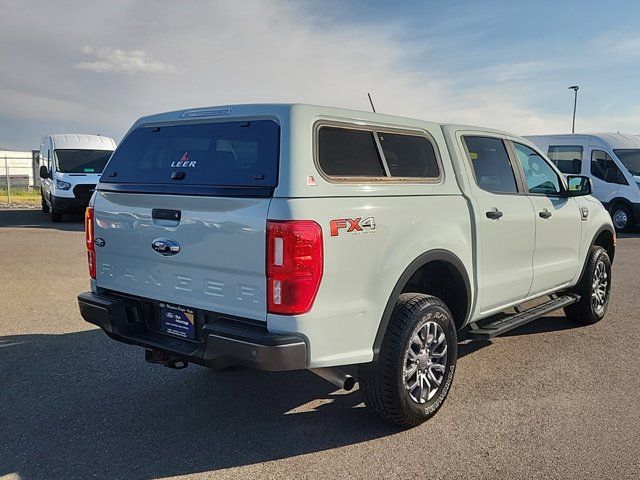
x,y
512,151
521,188
374,130
581,147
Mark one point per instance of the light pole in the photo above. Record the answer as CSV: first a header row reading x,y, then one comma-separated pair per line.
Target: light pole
x,y
575,102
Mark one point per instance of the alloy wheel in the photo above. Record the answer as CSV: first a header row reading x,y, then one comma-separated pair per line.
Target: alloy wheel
x,y
425,362
599,289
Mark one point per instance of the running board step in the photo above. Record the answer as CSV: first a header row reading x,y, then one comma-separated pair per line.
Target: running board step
x,y
504,324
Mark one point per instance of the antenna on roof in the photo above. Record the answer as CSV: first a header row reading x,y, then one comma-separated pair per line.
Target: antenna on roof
x,y
371,102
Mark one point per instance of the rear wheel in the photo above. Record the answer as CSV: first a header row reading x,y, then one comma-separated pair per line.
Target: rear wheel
x,y
414,371
622,217
594,289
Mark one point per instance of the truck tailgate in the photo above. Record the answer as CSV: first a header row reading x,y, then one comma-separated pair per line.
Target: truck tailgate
x,y
220,265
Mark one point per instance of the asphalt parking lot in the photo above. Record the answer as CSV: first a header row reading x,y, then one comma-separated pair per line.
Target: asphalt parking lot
x,y
550,400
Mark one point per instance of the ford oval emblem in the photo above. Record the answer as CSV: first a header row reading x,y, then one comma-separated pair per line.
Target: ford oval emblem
x,y
165,246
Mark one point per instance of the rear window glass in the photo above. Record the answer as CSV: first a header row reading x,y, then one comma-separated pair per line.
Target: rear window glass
x,y
215,154
491,164
81,161
568,158
348,153
409,155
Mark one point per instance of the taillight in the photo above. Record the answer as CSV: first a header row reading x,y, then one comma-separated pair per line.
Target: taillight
x,y
89,238
294,265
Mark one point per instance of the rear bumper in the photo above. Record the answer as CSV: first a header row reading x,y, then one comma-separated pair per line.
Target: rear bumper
x,y
222,342
68,205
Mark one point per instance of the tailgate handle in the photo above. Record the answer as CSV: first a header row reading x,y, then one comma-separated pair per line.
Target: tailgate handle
x,y
161,214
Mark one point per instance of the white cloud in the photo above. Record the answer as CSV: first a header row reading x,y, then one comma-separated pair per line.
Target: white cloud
x,y
509,72
116,60
621,44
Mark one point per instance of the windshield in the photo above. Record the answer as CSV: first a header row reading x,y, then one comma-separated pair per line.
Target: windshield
x,y
630,158
81,161
234,154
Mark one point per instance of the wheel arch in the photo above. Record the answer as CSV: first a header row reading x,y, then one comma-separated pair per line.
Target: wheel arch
x,y
617,201
604,237
433,259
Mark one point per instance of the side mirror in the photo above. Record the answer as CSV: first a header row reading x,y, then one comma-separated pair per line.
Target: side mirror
x,y
578,186
44,171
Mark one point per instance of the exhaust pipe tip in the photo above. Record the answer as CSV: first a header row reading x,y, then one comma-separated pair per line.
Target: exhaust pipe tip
x,y
349,383
339,378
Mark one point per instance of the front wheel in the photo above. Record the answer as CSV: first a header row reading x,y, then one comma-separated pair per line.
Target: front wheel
x,y
414,371
622,217
594,289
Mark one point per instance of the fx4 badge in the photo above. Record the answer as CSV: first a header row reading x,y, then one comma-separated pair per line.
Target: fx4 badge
x,y
354,226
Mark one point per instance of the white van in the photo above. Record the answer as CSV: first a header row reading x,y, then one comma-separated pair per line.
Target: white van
x,y
611,160
70,166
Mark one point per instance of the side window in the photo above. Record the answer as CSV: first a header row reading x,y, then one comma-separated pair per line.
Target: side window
x,y
568,158
540,177
348,153
491,165
604,168
345,153
48,159
409,155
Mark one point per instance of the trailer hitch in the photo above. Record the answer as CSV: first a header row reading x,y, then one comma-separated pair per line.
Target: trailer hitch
x,y
166,359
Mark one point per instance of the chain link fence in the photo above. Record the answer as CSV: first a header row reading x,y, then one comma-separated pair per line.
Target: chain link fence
x,y
19,180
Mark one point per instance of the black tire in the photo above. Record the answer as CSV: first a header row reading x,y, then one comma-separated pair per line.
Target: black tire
x,y
588,310
622,217
56,217
45,206
382,382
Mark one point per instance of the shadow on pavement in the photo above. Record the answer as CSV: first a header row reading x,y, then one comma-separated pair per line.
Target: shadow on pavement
x,y
634,234
36,219
467,345
79,405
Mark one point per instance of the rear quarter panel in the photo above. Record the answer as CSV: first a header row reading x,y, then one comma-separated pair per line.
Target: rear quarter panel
x,y
361,268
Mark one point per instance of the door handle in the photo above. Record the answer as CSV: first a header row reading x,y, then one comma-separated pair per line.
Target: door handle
x,y
494,214
545,213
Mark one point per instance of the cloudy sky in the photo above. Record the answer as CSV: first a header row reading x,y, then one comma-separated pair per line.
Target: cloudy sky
x,y
94,67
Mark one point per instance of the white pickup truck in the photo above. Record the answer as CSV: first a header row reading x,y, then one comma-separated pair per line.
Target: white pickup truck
x,y
289,236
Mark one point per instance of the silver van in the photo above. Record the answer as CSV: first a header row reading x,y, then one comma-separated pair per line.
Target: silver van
x,y
610,160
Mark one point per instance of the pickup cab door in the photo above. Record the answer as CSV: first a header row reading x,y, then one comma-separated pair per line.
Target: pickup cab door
x,y
505,223
558,221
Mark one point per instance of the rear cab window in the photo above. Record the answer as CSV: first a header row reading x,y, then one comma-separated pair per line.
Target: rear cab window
x,y
345,153
216,154
491,164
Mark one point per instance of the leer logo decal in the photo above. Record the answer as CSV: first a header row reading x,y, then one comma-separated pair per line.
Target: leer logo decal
x,y
184,162
355,226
